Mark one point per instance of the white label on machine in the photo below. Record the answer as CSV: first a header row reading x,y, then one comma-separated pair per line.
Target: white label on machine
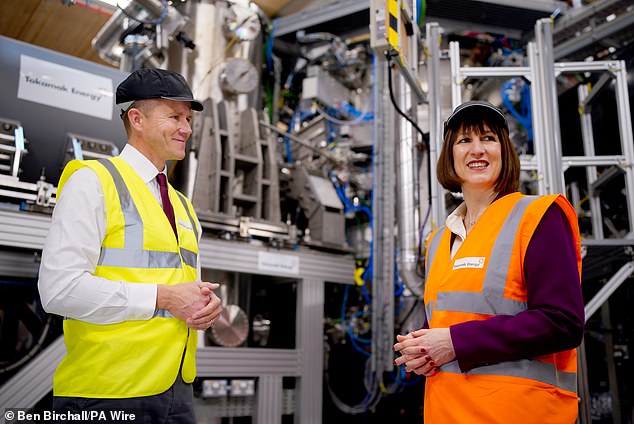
x,y
65,88
276,262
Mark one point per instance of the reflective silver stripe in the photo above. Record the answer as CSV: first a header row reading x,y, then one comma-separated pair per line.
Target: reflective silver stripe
x,y
133,236
132,255
429,308
129,258
162,313
432,249
189,257
535,370
191,219
491,300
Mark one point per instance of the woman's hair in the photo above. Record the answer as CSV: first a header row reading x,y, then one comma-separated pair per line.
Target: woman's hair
x,y
509,178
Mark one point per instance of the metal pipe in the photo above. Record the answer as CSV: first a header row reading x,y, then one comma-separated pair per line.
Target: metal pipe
x,y
553,173
538,122
106,42
302,142
625,132
606,291
585,415
591,171
406,183
435,132
383,212
412,81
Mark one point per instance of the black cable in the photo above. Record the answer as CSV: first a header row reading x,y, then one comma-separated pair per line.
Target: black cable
x,y
425,138
409,313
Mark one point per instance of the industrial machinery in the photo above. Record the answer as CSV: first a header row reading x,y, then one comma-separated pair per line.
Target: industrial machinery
x,y
311,172
13,148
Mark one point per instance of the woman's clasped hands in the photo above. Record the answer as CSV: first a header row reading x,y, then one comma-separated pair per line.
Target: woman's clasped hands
x,y
424,351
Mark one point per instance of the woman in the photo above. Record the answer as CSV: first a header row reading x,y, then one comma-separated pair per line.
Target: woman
x,y
503,300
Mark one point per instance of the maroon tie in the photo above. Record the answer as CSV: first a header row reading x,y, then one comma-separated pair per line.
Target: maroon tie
x,y
167,205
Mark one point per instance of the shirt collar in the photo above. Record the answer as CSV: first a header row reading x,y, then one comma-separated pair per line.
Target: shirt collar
x,y
141,165
455,221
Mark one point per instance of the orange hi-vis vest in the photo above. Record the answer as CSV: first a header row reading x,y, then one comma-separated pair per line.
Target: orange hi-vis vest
x,y
485,278
143,357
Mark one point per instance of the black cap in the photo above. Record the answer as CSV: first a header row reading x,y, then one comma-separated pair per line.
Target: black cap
x,y
476,106
151,83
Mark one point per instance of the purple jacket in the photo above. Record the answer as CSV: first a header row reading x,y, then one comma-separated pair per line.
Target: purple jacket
x,y
554,320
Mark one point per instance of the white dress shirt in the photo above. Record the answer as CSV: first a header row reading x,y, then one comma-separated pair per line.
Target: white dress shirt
x,y
67,283
455,224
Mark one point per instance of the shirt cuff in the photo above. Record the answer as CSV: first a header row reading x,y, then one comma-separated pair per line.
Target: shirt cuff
x,y
141,301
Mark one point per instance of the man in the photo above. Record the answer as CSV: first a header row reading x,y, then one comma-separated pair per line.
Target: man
x,y
121,264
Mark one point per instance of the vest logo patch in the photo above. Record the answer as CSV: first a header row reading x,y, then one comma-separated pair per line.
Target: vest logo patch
x,y
469,262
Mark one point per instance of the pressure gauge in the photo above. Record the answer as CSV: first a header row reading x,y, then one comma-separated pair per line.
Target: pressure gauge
x,y
238,76
242,23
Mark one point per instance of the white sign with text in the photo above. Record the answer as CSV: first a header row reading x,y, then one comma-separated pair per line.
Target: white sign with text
x,y
276,262
65,88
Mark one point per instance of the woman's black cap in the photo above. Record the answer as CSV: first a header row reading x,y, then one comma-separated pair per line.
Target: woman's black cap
x,y
151,83
476,106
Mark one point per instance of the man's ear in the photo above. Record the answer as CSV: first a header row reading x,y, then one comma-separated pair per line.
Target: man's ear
x,y
135,116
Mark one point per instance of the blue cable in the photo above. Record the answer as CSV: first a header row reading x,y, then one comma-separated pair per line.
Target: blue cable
x,y
354,336
298,113
348,109
525,115
269,45
401,379
354,340
418,7
287,141
359,348
349,207
343,305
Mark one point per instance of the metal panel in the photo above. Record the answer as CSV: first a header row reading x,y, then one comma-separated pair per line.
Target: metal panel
x,y
33,381
582,32
247,362
581,41
538,5
310,313
517,14
21,229
28,230
45,126
318,15
269,400
18,264
243,257
507,16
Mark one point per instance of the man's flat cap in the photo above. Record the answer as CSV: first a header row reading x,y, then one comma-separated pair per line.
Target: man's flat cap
x,y
150,83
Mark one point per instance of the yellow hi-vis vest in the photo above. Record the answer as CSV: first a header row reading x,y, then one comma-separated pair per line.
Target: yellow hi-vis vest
x,y
485,278
133,358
